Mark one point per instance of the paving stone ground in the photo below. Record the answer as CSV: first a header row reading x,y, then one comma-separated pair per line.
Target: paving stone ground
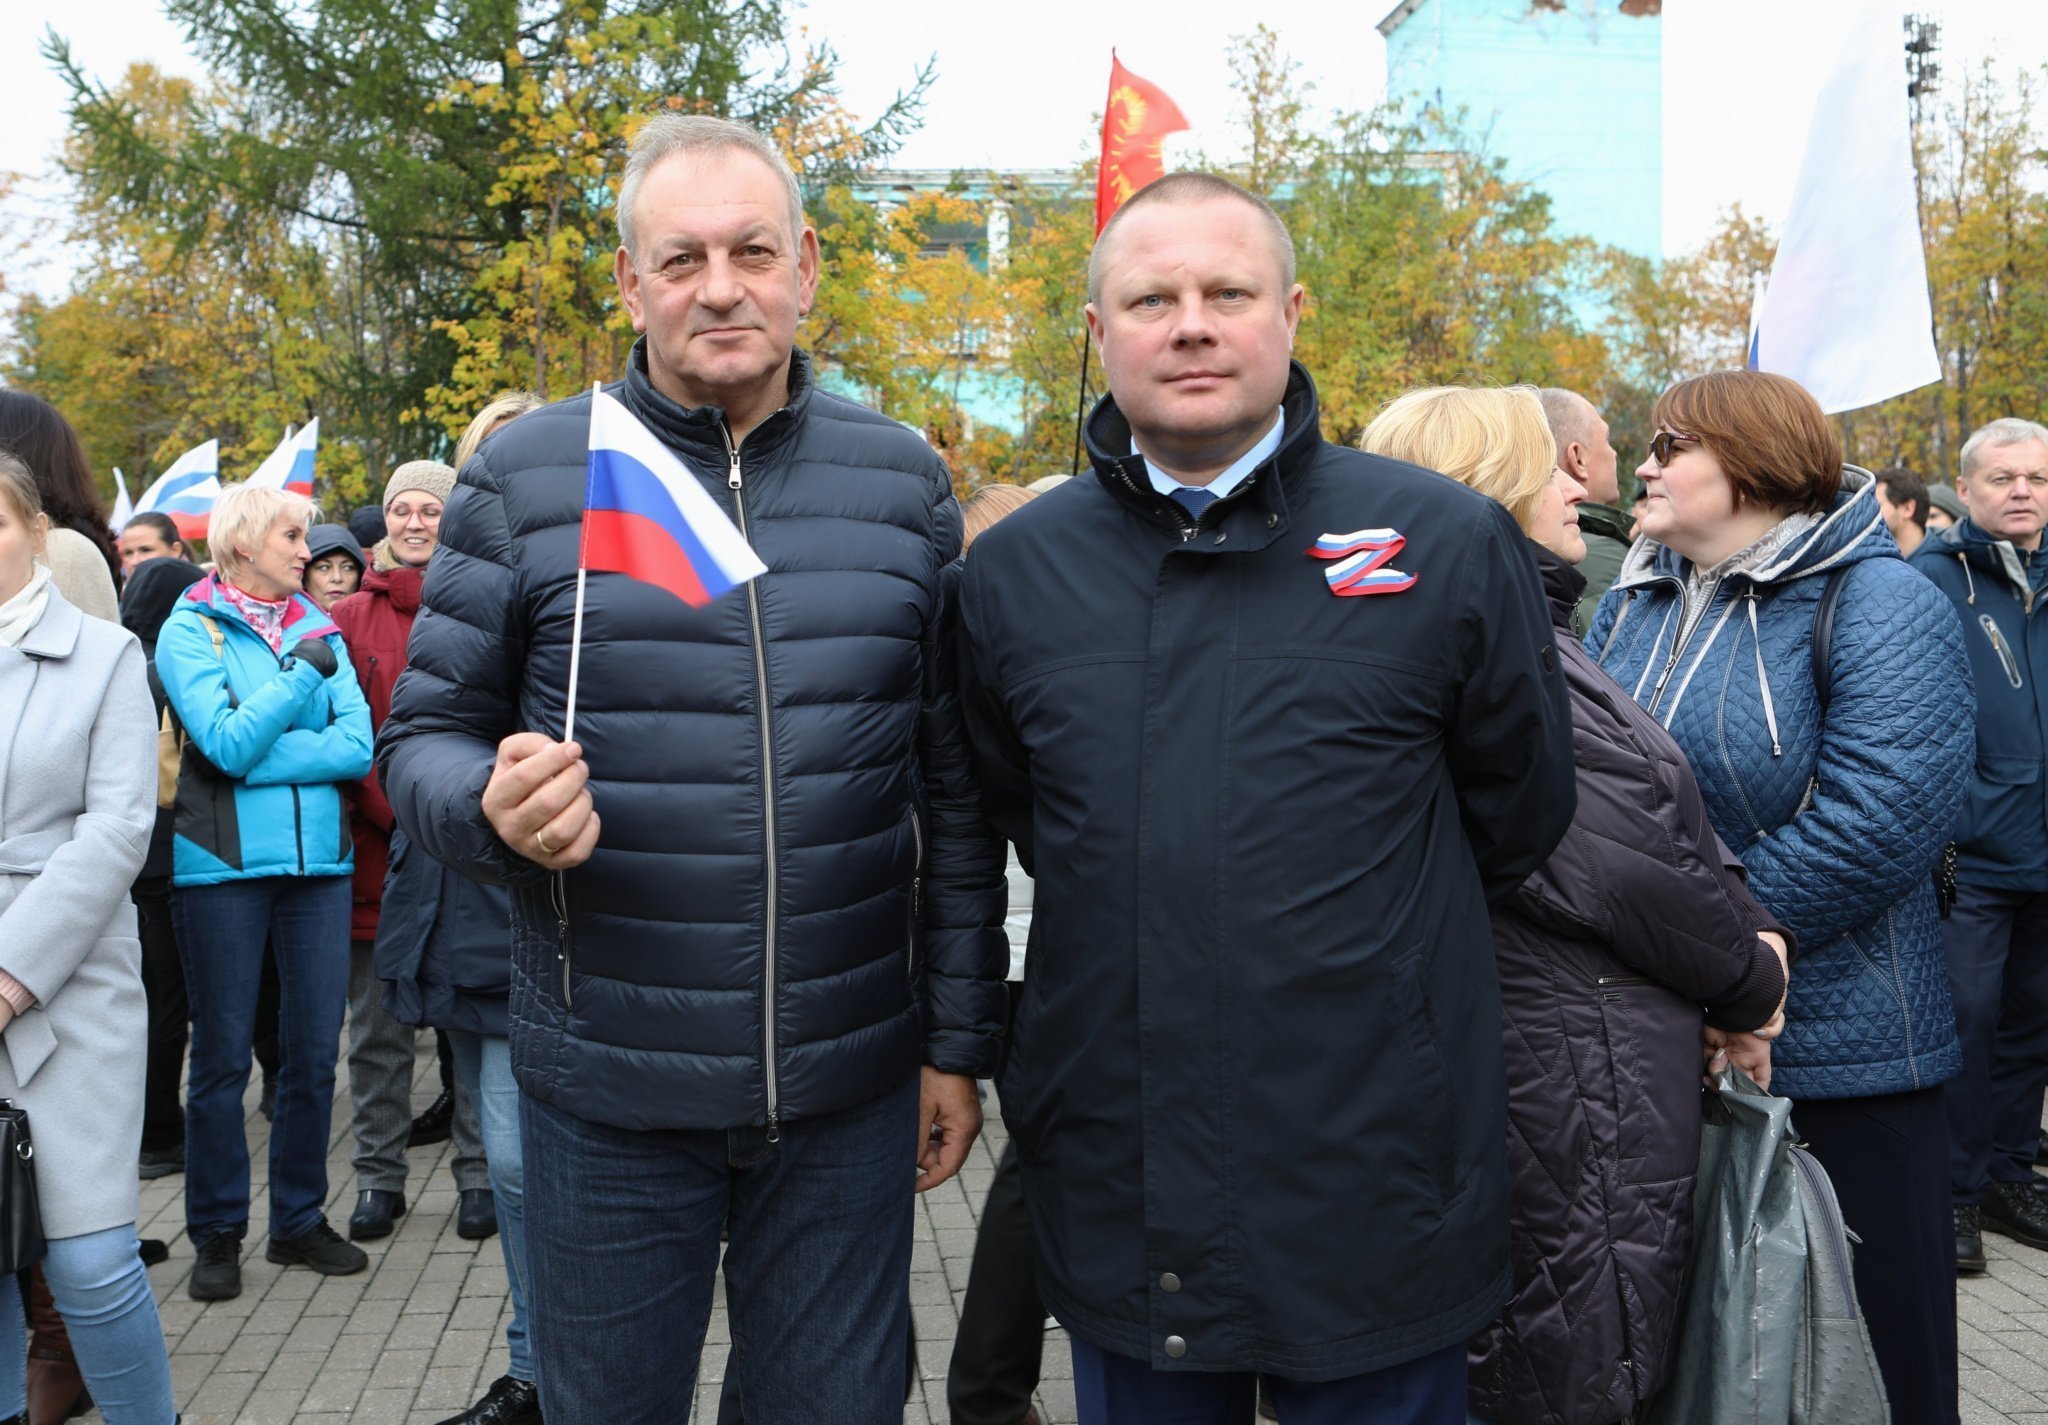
x,y
420,1335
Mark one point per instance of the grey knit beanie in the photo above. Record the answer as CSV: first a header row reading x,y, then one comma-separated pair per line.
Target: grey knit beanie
x,y
428,476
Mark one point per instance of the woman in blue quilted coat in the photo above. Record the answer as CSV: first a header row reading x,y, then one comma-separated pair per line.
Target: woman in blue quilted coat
x,y
1837,780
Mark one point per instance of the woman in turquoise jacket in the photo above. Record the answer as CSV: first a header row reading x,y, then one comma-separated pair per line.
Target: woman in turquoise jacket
x,y
261,685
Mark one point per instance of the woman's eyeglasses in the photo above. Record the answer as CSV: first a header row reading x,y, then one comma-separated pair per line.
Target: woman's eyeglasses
x,y
1664,445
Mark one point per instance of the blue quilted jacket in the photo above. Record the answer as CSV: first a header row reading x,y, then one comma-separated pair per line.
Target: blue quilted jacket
x,y
1838,818
2003,839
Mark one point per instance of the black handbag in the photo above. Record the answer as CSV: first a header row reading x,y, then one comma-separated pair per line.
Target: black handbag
x,y
21,1216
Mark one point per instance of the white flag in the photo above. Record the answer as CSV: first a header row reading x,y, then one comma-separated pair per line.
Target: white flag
x,y
1847,314
124,508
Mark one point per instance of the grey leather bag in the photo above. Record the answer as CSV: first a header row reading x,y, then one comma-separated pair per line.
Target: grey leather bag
x,y
1770,1330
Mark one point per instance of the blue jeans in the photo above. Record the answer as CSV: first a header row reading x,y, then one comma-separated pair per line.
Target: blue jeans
x,y
103,1295
221,933
1116,1390
622,1239
484,1065
1996,942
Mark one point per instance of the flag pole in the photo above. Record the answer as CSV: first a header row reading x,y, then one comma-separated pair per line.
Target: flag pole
x,y
582,579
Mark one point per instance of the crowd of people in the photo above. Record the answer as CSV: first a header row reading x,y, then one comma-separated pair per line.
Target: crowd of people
x,y
1408,831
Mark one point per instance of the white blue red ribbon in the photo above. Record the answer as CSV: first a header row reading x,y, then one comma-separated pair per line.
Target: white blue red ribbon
x,y
1360,560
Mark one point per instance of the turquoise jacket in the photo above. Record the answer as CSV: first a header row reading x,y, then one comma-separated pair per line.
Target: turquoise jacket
x,y
270,742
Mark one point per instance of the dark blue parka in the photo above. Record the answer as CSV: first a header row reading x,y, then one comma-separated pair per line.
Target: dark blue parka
x,y
1837,818
2003,838
1256,1076
793,901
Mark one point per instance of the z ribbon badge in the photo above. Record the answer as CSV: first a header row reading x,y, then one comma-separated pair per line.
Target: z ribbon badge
x,y
1361,558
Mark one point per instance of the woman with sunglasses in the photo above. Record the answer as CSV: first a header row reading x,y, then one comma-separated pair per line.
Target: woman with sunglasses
x,y
1836,775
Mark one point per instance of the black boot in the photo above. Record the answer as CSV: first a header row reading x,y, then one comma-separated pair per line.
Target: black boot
x,y
2015,1210
434,1125
508,1402
1970,1242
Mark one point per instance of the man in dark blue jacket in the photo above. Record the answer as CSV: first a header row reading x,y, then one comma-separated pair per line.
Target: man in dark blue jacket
x,y
757,952
1256,1077
1996,938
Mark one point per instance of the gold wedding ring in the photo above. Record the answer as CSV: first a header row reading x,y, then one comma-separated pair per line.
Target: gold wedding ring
x,y
541,841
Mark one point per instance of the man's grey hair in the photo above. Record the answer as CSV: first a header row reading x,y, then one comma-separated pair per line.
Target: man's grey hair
x,y
666,135
1193,188
2009,430
1571,418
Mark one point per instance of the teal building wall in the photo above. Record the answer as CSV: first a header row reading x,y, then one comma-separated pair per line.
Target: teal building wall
x,y
1568,92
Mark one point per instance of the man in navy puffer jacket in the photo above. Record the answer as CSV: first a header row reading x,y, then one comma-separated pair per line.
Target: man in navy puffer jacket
x,y
1993,568
755,895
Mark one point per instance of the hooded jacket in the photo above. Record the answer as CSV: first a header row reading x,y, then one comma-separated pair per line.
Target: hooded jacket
x,y
1996,588
1839,819
259,791
793,900
152,592
1255,1078
1608,956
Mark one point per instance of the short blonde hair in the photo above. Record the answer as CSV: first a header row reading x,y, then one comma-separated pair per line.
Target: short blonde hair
x,y
244,515
1494,439
509,406
987,505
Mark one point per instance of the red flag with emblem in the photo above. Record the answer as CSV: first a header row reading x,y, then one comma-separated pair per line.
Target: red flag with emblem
x,y
1135,122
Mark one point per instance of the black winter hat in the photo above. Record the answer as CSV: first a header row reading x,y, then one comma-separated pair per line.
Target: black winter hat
x,y
152,592
325,539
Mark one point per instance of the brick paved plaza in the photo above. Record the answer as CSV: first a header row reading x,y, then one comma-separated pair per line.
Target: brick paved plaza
x,y
418,1337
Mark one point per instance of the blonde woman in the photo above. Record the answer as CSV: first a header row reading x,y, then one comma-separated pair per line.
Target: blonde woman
x,y
1636,931
74,826
500,411
262,685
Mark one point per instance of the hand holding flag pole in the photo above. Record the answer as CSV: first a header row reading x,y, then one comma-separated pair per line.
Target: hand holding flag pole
x,y
646,516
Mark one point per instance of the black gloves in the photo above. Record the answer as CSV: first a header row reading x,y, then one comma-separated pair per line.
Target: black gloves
x,y
316,652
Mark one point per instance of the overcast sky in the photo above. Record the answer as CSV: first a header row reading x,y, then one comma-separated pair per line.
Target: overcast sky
x,y
1017,83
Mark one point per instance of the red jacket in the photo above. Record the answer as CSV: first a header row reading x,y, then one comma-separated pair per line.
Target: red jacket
x,y
375,621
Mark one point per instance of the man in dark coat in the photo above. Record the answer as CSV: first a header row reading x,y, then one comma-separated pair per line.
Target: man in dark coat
x,y
757,948
1256,1077
1586,454
1993,567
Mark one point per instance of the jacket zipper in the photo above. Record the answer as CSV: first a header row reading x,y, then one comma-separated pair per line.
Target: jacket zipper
x,y
1891,931
1611,986
739,501
916,897
2005,654
1189,525
558,897
1683,642
1833,1228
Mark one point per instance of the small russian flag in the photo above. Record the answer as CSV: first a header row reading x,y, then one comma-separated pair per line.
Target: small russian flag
x,y
1360,559
646,516
187,490
290,466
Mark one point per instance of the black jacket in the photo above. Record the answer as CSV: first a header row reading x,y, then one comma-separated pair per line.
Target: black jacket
x,y
1256,1075
1608,955
785,818
146,601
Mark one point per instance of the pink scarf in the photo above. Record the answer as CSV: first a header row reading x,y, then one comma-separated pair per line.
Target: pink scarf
x,y
263,615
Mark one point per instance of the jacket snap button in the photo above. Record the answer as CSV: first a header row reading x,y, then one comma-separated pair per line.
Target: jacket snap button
x,y
1175,1347
1220,536
1272,520
1168,1282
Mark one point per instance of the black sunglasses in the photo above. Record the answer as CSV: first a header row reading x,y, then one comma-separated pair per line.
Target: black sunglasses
x,y
1664,445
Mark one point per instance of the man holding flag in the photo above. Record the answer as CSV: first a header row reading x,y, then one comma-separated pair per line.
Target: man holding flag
x,y
757,944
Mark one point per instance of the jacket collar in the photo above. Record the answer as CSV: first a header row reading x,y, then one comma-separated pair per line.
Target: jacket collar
x,y
400,584
1563,585
1258,505
55,634
2001,557
1604,520
305,620
699,432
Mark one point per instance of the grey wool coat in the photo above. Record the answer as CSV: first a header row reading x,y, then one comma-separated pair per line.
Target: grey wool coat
x,y
77,800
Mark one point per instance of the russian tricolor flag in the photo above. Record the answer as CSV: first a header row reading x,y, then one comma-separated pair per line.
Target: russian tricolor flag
x,y
1359,561
187,490
646,516
290,466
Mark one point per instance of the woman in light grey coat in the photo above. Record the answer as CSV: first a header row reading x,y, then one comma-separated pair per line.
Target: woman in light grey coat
x,y
77,800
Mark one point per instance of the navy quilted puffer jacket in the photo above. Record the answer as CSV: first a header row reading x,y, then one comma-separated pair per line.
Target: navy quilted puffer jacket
x,y
1838,819
793,901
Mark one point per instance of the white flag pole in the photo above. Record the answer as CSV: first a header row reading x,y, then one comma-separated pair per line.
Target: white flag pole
x,y
582,579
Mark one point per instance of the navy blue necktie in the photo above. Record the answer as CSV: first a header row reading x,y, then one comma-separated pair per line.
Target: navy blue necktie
x,y
1193,500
